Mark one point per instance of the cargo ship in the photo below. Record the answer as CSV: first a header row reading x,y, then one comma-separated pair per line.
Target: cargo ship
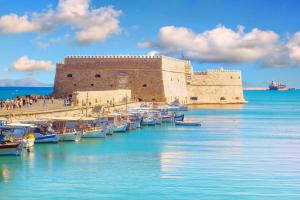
x,y
277,86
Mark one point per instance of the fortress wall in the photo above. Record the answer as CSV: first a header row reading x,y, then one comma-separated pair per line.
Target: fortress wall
x,y
141,74
109,97
150,78
216,86
174,78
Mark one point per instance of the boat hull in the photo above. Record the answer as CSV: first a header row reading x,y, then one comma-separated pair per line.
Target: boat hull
x,y
53,138
94,134
179,117
120,129
72,137
149,122
13,149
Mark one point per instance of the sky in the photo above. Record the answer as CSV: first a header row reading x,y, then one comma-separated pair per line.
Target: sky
x,y
259,37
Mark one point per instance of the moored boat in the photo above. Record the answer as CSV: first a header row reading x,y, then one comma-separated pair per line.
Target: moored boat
x,y
66,128
119,126
70,135
95,132
19,133
176,106
47,138
179,117
148,121
10,148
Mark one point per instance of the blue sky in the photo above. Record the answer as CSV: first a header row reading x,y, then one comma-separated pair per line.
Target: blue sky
x,y
207,32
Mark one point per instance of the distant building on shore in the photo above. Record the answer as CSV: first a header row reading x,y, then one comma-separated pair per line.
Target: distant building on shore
x,y
150,78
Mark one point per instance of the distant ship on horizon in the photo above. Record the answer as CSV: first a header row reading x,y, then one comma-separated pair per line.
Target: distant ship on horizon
x,y
277,86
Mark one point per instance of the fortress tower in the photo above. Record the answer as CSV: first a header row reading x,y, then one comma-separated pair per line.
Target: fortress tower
x,y
150,78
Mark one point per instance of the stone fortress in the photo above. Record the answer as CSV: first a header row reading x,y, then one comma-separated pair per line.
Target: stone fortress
x,y
146,78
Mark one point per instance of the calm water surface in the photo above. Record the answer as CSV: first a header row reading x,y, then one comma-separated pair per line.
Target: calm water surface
x,y
240,152
12,92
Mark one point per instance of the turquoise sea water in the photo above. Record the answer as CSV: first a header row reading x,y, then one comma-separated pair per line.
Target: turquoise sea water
x,y
240,152
12,92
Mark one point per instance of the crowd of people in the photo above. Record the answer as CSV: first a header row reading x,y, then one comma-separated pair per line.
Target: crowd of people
x,y
26,101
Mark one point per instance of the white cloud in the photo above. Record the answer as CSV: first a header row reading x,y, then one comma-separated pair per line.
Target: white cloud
x,y
91,24
99,25
220,44
294,47
14,24
24,64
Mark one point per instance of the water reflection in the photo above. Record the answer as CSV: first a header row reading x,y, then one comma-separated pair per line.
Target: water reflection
x,y
5,174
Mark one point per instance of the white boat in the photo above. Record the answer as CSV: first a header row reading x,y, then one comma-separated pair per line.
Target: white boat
x,y
70,135
118,124
120,128
188,123
148,121
94,133
176,106
67,128
11,149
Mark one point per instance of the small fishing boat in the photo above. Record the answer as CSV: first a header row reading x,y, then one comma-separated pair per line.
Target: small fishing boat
x,y
39,129
103,122
47,138
71,135
179,117
148,121
119,126
167,118
66,128
95,132
187,123
11,148
176,106
19,133
91,129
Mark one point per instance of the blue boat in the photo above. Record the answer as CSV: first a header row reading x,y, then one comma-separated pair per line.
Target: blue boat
x,y
179,117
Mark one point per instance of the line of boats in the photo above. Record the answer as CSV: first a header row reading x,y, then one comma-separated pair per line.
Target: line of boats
x,y
14,137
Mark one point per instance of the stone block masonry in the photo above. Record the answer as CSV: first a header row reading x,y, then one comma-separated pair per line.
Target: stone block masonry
x,y
150,78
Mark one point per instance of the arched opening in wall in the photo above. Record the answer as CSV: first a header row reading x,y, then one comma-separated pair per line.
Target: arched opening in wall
x,y
69,75
111,85
239,77
75,84
153,99
92,84
194,98
231,77
145,85
98,76
139,99
222,98
237,98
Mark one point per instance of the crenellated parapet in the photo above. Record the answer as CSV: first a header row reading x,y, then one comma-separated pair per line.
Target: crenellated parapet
x,y
111,58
